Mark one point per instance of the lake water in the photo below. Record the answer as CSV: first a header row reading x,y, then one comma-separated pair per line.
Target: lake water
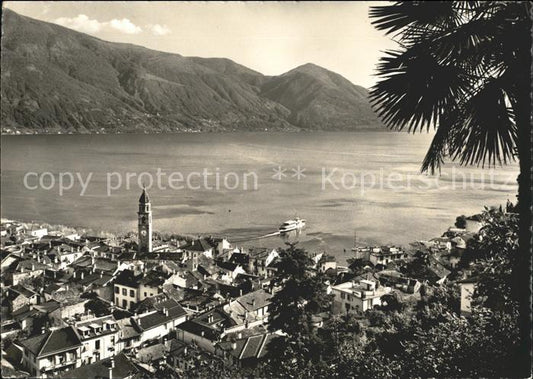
x,y
335,192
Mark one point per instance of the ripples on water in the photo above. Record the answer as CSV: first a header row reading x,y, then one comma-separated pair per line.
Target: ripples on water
x,y
397,209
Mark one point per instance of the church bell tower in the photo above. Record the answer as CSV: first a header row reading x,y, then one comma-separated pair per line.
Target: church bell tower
x,y
145,223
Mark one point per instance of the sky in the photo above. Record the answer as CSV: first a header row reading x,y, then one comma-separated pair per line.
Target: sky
x,y
269,37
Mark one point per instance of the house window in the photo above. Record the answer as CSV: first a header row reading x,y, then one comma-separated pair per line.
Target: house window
x,y
124,292
132,294
97,344
124,303
342,295
145,294
117,290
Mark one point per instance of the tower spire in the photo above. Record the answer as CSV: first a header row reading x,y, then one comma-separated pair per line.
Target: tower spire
x,y
144,196
145,223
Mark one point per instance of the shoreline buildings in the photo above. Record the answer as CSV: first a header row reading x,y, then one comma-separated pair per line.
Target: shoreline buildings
x,y
129,305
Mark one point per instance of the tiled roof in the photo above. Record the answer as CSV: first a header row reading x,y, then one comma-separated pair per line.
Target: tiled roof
x,y
23,291
48,307
24,312
123,368
327,258
52,341
166,256
248,347
96,279
264,349
259,253
176,346
215,316
193,327
128,328
30,265
34,344
227,265
9,326
199,245
172,266
128,278
154,319
252,347
154,278
97,264
127,255
61,339
255,300
239,258
151,320
437,268
236,311
51,288
173,292
151,353
173,307
148,303
206,269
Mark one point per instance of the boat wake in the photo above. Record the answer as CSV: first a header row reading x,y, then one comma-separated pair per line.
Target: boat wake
x,y
259,237
285,230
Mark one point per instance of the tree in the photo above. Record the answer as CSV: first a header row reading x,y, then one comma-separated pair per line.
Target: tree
x,y
302,294
491,259
434,341
293,310
391,303
98,307
464,69
460,222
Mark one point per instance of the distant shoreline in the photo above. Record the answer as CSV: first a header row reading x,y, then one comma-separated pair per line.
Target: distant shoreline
x,y
368,129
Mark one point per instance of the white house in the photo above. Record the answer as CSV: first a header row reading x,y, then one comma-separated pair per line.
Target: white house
x,y
351,297
127,289
99,337
39,233
52,352
468,287
250,307
386,254
165,318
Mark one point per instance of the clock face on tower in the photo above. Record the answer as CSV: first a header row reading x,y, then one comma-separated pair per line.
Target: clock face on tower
x,y
144,224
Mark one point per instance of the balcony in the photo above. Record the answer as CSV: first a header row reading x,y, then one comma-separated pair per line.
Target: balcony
x,y
59,365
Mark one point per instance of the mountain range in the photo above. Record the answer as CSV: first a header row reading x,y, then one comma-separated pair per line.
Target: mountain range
x,y
57,80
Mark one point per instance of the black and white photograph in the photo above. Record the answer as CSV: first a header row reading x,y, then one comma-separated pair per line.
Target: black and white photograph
x,y
234,189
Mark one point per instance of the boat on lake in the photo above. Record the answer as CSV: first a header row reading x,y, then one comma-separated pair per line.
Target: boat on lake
x,y
290,225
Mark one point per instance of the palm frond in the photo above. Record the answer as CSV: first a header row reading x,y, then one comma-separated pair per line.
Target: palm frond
x,y
460,67
438,149
414,89
467,44
395,18
488,131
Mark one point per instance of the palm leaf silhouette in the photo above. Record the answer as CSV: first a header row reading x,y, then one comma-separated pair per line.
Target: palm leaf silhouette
x,y
455,70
